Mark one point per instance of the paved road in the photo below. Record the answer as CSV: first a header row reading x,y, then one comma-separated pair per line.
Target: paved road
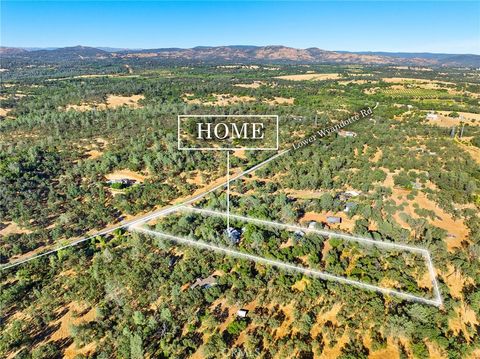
x,y
144,218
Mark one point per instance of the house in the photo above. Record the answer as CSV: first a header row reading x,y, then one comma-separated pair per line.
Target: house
x,y
242,313
333,219
349,206
234,235
206,283
347,134
351,193
431,116
123,181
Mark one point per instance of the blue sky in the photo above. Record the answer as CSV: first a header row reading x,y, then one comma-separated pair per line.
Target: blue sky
x,y
452,27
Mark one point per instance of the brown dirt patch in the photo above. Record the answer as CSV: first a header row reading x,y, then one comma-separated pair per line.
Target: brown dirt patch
x,y
281,101
455,281
93,154
336,350
86,107
435,352
465,316
95,148
425,281
443,120
13,228
303,194
311,76
113,101
472,150
253,85
240,154
285,327
390,352
475,354
4,112
196,179
371,90
301,284
330,315
220,100
377,156
68,320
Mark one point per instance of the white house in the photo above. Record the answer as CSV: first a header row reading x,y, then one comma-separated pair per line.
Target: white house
x,y
242,313
347,134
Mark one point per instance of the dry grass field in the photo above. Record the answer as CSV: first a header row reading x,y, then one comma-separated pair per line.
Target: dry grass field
x,y
113,101
310,77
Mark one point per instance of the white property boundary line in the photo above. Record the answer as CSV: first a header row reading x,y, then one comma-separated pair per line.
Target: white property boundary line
x,y
277,143
145,218
437,301
286,266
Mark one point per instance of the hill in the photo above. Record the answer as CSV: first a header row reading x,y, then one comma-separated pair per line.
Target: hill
x,y
249,54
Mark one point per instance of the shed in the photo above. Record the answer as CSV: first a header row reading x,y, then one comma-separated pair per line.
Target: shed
x,y
333,219
352,193
347,134
206,283
242,313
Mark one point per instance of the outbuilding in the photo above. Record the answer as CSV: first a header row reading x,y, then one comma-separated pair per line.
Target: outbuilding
x,y
333,219
242,313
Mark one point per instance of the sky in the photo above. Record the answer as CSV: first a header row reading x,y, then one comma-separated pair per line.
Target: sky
x,y
450,27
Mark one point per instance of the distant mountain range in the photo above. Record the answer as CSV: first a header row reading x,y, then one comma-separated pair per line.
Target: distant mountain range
x,y
243,54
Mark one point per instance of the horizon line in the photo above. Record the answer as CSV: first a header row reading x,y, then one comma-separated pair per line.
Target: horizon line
x,y
120,48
